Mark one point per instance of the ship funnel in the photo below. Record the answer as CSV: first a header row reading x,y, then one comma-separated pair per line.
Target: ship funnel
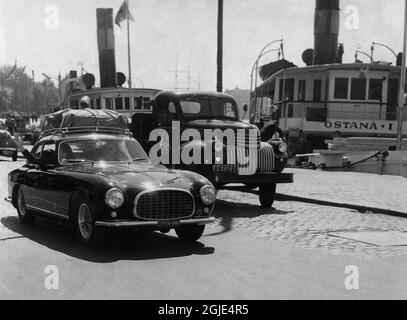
x,y
106,47
326,31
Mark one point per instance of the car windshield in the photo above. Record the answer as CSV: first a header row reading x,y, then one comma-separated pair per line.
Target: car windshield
x,y
196,107
98,150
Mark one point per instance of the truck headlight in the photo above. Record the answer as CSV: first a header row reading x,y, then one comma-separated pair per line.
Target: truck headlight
x,y
208,195
114,198
283,147
218,146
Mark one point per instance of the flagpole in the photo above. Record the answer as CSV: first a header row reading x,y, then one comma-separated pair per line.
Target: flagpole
x,y
402,85
129,60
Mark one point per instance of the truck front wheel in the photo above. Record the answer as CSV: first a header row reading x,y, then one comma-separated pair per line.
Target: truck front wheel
x,y
267,193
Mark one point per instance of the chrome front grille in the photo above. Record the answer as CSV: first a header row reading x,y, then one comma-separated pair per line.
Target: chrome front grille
x,y
249,141
166,204
266,158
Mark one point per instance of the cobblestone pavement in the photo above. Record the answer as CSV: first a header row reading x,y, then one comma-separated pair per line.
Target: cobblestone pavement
x,y
306,225
301,224
371,190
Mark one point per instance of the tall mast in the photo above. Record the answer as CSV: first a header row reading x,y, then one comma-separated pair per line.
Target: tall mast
x,y
402,86
129,59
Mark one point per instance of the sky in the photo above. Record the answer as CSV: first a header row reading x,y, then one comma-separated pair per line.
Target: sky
x,y
52,36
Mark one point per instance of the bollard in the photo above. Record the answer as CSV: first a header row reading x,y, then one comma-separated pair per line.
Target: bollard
x,y
346,162
380,164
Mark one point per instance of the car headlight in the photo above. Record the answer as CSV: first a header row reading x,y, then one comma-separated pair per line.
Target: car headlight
x,y
283,147
114,198
208,195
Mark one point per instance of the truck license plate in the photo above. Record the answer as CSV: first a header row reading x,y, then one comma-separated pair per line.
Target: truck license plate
x,y
169,224
223,167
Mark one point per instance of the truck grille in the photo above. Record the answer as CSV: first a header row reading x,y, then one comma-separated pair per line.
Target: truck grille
x,y
167,204
250,141
266,158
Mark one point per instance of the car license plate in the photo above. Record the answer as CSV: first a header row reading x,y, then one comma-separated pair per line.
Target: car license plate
x,y
169,224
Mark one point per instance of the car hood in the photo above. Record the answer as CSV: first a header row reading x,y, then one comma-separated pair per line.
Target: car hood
x,y
219,124
136,177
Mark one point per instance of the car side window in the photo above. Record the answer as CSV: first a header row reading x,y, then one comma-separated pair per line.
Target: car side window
x,y
36,151
49,155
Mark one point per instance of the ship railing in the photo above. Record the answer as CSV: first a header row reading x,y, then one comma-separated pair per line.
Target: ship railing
x,y
319,112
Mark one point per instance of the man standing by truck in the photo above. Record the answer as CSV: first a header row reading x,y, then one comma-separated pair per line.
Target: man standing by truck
x,y
11,124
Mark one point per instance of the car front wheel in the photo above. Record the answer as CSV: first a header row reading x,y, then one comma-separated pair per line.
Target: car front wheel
x,y
25,216
89,235
190,233
267,193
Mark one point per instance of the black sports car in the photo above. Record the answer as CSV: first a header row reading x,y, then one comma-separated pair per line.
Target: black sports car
x,y
102,180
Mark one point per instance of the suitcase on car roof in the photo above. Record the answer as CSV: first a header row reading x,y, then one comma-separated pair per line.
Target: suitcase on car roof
x,y
82,119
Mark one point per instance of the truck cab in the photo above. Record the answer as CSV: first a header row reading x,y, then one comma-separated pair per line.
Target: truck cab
x,y
202,132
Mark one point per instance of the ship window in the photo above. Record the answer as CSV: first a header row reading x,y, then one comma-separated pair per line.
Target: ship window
x,y
375,89
288,86
146,103
358,89
301,90
109,103
341,88
119,103
138,103
98,104
317,90
127,103
290,111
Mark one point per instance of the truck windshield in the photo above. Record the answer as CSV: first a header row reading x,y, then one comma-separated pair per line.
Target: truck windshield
x,y
212,108
97,150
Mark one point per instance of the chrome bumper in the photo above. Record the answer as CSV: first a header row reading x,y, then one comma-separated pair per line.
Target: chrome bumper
x,y
132,224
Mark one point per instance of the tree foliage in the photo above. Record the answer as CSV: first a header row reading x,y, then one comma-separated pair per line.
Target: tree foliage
x,y
18,92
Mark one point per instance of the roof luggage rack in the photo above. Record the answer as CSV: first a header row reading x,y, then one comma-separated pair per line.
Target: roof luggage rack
x,y
84,121
86,129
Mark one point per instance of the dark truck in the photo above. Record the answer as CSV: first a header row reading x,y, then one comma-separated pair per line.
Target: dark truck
x,y
201,113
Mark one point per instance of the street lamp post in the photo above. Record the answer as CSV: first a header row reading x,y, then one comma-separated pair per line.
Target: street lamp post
x,y
364,53
384,46
402,85
255,68
219,84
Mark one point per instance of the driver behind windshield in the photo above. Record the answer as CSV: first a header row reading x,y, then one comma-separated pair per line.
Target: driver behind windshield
x,y
97,151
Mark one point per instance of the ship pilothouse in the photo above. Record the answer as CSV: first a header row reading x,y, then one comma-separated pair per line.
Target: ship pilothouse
x,y
328,97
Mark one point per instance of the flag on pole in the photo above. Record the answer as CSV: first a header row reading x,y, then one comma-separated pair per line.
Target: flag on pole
x,y
123,14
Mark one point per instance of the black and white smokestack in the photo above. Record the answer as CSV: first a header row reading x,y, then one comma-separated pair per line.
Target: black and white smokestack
x,y
326,31
106,47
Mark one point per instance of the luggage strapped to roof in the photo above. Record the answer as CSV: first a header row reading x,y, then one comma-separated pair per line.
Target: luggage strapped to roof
x,y
81,121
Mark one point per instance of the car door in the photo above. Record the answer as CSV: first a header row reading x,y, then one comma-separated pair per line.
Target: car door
x,y
30,179
51,193
45,178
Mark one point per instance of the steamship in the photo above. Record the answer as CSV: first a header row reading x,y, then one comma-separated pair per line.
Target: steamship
x,y
111,94
327,97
